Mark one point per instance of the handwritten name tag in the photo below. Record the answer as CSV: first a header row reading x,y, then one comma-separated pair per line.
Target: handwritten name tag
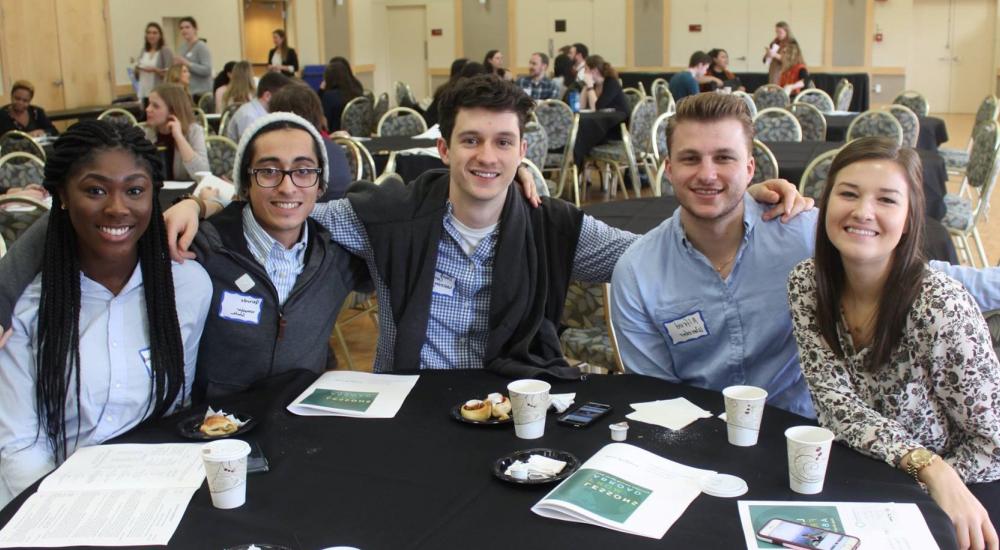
x,y
241,308
444,284
687,328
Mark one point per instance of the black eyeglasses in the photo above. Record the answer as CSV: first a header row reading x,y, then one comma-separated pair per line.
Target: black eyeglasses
x,y
272,177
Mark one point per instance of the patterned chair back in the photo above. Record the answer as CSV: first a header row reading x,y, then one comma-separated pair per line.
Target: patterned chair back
x,y
770,95
14,223
914,100
908,121
401,121
538,143
777,124
988,109
748,99
766,165
659,138
353,153
666,188
19,169
632,97
875,123
380,109
664,99
404,96
207,103
227,115
587,337
16,141
641,126
843,95
541,185
356,117
811,120
202,119
817,98
814,178
983,157
993,323
221,155
118,116
557,118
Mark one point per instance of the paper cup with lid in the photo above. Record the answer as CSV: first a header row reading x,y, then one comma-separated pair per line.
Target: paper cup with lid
x,y
226,471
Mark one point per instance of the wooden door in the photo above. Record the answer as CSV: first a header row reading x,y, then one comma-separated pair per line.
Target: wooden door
x,y
83,51
259,21
928,68
726,28
30,48
407,53
973,27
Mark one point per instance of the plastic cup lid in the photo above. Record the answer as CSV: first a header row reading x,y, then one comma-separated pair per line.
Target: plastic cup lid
x,y
723,485
225,449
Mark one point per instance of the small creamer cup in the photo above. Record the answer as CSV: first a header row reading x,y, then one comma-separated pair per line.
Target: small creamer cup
x,y
226,472
619,431
808,455
744,410
529,400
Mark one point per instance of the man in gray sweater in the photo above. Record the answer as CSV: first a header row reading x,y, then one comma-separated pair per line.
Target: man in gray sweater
x,y
195,54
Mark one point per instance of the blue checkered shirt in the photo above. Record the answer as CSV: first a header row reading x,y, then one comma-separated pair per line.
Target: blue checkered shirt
x,y
458,325
282,265
543,89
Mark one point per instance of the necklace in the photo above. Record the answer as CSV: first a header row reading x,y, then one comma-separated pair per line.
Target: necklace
x,y
720,268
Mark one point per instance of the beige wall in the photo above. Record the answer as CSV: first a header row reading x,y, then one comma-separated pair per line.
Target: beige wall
x,y
647,39
895,21
218,22
484,28
336,22
303,31
849,32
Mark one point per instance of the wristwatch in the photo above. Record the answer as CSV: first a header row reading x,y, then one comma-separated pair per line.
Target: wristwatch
x,y
920,459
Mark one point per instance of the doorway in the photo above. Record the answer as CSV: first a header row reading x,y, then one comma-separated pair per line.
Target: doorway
x,y
407,51
260,19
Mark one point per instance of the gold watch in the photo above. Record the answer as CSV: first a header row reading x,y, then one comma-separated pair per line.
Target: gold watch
x,y
920,459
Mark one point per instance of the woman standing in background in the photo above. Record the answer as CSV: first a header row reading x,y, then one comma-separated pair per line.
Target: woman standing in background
x,y
281,58
153,61
772,55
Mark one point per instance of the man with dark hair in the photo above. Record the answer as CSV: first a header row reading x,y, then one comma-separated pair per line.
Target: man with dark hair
x,y
536,84
250,111
685,83
701,299
195,54
579,53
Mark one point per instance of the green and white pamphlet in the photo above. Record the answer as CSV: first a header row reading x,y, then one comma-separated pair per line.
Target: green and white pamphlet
x,y
355,394
627,489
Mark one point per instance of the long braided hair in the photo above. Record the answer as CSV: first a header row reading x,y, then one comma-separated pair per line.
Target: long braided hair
x,y
58,357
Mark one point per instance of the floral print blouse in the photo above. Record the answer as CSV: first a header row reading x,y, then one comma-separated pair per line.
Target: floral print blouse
x,y
941,389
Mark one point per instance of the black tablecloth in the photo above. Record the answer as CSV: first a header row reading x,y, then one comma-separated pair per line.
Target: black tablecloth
x,y
933,131
422,479
642,215
595,129
82,113
409,167
751,81
793,157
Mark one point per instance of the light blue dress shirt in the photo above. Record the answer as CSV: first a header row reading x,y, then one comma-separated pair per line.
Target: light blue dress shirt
x,y
243,118
116,374
677,319
283,265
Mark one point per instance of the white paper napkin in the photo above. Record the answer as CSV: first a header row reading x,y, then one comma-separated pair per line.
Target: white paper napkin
x,y
561,401
673,414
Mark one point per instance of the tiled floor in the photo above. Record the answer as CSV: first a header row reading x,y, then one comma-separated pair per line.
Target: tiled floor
x,y
361,333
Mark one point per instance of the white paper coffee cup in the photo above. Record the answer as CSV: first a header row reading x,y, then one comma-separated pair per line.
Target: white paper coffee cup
x,y
529,400
226,472
744,410
808,455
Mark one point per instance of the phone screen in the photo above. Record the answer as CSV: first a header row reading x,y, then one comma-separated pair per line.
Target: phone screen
x,y
810,537
586,413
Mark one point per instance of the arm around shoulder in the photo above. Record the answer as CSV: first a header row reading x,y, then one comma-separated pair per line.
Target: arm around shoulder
x,y
20,266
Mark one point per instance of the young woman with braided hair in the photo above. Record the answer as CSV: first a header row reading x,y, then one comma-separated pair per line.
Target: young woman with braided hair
x,y
107,334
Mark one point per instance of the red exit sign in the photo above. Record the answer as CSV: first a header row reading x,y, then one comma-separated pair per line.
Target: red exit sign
x,y
694,28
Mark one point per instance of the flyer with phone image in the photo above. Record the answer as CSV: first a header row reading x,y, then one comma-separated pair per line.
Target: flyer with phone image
x,y
874,524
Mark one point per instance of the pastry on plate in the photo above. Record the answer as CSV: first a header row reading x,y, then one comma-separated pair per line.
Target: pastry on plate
x,y
501,405
217,425
477,410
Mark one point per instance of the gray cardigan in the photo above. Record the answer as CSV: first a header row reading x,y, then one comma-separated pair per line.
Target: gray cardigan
x,y
164,58
201,66
185,171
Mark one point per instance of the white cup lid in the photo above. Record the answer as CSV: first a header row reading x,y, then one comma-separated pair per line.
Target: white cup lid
x,y
225,449
723,485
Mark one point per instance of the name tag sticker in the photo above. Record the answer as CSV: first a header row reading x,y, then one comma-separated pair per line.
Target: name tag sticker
x,y
245,282
443,284
147,359
241,308
687,328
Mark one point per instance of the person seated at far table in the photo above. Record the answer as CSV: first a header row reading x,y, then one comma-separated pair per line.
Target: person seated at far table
x,y
719,75
21,115
685,83
536,84
245,116
701,298
899,360
106,335
601,88
170,124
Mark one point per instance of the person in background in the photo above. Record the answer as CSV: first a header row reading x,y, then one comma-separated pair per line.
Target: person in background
x,y
718,72
180,75
107,334
685,83
21,115
303,101
431,113
195,55
794,74
339,87
221,83
537,84
494,64
774,51
579,53
561,65
281,58
354,81
153,61
240,89
601,89
898,358
171,125
270,83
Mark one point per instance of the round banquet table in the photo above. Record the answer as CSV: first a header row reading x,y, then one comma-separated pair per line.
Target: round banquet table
x,y
933,131
794,156
423,480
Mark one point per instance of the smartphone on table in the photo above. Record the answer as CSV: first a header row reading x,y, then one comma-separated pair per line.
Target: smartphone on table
x,y
805,537
584,415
